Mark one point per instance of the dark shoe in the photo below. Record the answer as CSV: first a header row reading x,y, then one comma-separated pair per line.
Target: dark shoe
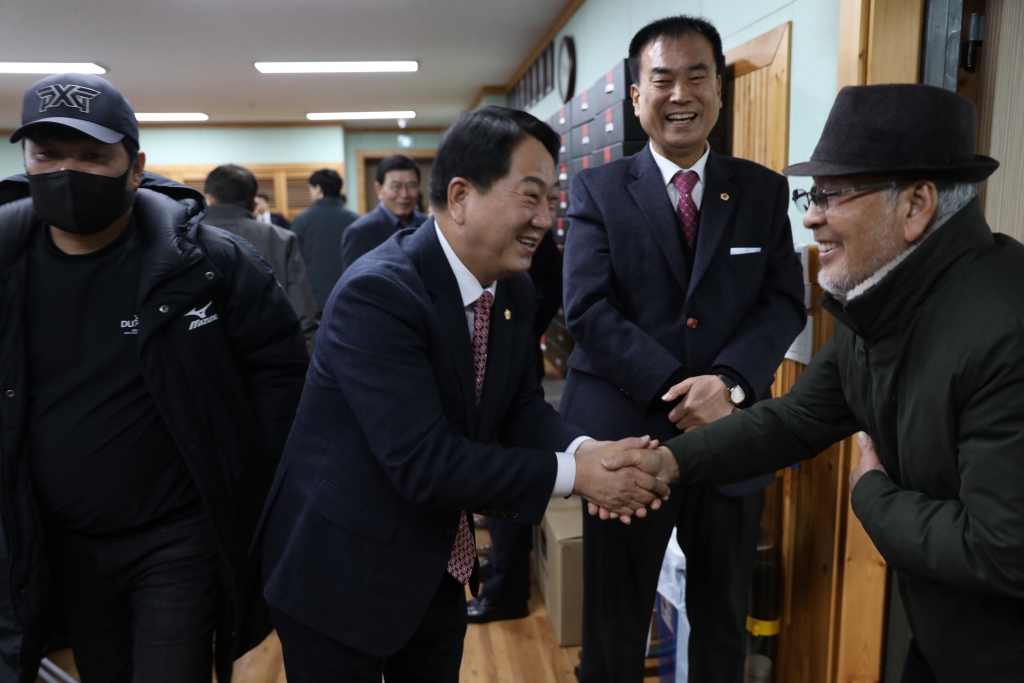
x,y
486,570
483,611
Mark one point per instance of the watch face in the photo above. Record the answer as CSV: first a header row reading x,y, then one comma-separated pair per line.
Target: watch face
x,y
737,395
566,68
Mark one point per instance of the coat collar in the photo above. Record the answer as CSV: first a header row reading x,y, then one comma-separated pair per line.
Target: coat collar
x,y
720,196
428,255
439,280
890,304
648,190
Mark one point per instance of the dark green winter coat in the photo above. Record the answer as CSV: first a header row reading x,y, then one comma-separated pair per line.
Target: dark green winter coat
x,y
930,363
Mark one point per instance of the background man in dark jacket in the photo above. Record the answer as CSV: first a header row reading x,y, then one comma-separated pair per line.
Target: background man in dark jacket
x,y
319,229
150,370
230,192
398,192
263,214
927,360
679,272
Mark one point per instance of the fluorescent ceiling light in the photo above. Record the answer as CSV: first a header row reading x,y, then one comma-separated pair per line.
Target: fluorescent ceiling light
x,y
51,68
360,115
172,117
335,67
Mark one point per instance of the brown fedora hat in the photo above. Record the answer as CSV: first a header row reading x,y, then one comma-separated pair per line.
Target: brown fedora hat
x,y
899,130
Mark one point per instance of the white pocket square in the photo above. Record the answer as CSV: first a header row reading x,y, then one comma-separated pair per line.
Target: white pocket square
x,y
744,250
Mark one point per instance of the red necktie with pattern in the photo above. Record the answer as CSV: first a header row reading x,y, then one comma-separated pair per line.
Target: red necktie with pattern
x,y
686,208
460,564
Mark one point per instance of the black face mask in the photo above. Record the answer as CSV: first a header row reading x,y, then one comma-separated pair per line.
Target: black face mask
x,y
80,203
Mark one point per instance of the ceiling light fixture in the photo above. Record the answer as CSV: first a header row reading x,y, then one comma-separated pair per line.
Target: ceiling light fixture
x,y
51,68
172,117
359,115
335,67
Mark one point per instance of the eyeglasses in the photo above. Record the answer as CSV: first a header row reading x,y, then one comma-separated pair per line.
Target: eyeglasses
x,y
408,187
804,198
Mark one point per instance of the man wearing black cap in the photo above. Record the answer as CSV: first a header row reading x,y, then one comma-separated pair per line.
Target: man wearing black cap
x,y
927,362
150,369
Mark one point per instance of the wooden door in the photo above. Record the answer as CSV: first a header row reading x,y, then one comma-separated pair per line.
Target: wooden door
x,y
807,507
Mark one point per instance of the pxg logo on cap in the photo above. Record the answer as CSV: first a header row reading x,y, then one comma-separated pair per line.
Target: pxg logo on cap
x,y
86,103
75,96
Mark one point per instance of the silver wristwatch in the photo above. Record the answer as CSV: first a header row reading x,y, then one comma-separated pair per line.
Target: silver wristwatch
x,y
736,393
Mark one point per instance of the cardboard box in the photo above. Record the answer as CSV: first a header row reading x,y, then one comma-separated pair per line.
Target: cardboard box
x,y
582,109
616,151
562,210
578,165
582,141
560,120
618,123
565,148
558,551
614,85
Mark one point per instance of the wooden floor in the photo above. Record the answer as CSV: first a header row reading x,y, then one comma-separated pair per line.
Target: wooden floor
x,y
517,651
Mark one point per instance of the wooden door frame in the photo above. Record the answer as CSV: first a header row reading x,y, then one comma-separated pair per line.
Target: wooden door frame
x,y
362,155
280,173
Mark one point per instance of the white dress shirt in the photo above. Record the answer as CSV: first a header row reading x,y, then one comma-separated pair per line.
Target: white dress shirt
x,y
471,289
669,169
264,218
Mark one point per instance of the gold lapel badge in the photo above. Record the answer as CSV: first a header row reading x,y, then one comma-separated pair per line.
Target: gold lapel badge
x,y
724,197
508,314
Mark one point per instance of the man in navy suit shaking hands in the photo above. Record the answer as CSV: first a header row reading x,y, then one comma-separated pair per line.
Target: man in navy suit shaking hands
x,y
422,406
683,292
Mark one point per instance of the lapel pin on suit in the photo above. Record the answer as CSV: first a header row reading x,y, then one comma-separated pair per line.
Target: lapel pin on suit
x,y
508,314
724,196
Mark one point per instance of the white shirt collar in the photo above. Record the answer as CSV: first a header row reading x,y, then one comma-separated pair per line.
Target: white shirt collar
x,y
469,287
670,168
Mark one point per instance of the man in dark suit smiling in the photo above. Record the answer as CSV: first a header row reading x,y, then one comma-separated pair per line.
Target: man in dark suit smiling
x,y
421,407
683,292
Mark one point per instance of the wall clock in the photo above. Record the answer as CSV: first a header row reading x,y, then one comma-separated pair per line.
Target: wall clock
x,y
566,68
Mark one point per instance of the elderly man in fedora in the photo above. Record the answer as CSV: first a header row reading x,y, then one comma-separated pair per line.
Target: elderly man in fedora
x,y
927,362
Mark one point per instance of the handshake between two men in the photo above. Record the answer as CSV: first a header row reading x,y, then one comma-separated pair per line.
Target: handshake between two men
x,y
621,479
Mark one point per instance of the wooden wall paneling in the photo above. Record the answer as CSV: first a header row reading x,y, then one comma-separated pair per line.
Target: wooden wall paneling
x,y
778,104
281,175
861,615
281,193
853,42
894,41
986,84
1004,202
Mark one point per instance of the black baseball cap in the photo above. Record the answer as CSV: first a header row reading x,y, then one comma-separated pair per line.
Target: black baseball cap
x,y
89,104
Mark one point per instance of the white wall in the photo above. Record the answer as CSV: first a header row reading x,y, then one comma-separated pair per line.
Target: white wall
x,y
602,30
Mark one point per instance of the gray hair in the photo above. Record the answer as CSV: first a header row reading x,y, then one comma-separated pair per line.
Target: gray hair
x,y
952,196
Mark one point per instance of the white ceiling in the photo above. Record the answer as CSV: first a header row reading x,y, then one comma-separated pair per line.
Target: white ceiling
x,y
197,55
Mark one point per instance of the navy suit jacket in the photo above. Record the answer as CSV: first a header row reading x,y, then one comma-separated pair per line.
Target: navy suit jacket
x,y
369,232
388,446
629,292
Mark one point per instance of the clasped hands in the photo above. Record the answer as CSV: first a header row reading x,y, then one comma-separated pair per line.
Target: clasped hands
x,y
620,479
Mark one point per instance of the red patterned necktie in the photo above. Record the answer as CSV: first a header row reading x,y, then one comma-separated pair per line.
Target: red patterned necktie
x,y
686,208
460,564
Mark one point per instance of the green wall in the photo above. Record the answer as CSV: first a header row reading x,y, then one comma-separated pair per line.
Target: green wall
x,y
11,161
242,145
602,30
